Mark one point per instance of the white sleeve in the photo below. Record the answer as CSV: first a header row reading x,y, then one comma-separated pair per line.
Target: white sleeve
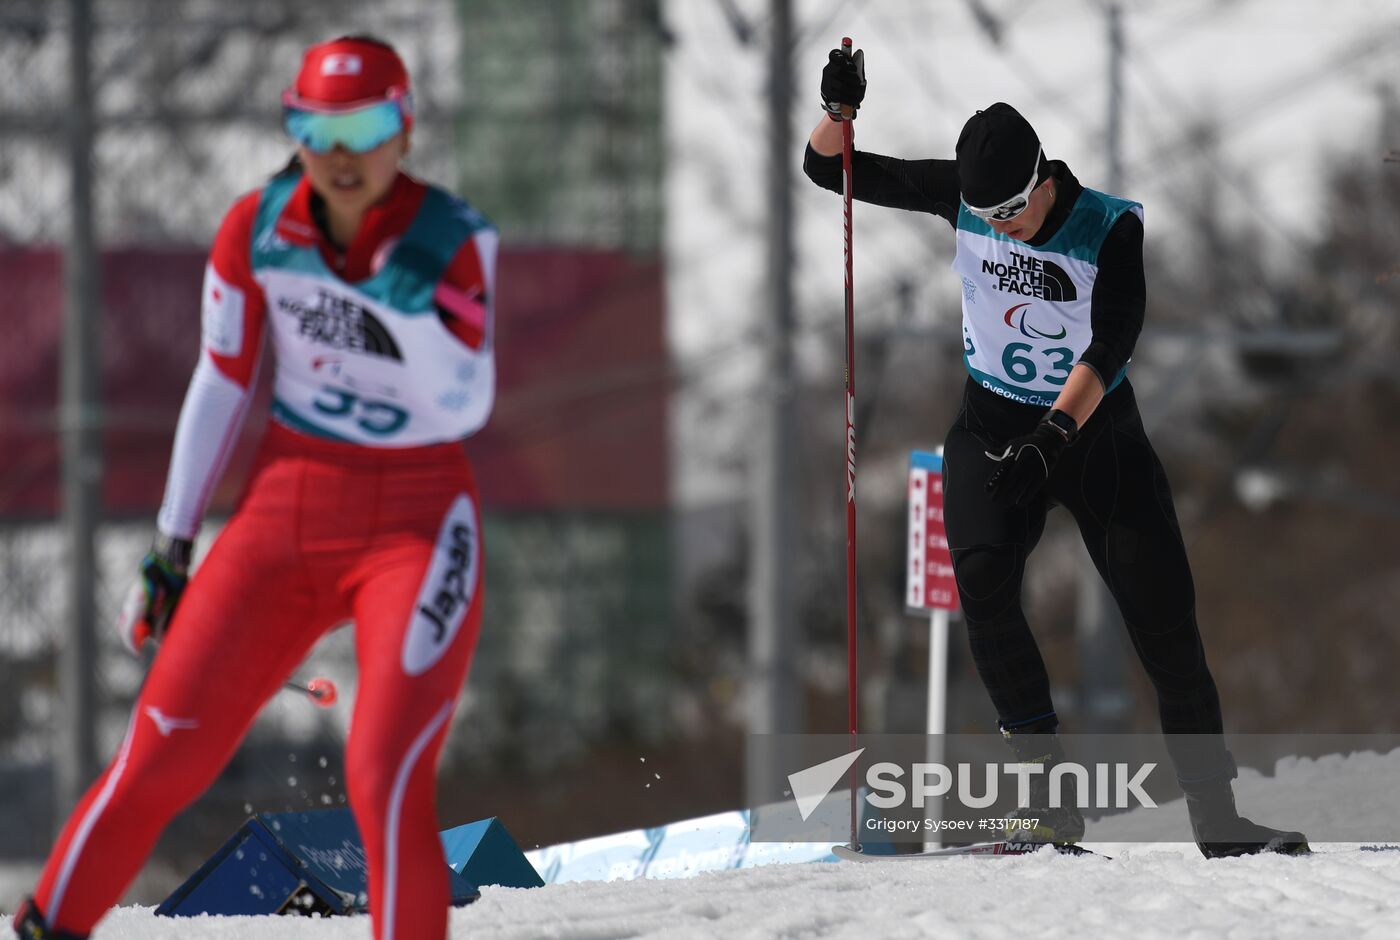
x,y
210,421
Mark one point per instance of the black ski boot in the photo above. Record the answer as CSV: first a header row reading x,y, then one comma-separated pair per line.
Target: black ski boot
x,y
1061,824
1221,832
29,925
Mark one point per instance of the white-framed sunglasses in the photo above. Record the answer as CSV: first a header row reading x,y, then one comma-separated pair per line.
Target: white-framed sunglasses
x,y
1014,206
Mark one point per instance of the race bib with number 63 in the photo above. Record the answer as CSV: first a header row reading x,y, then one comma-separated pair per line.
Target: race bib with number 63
x,y
1026,311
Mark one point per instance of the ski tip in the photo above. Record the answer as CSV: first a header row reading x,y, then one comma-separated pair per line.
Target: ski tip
x,y
850,853
1069,848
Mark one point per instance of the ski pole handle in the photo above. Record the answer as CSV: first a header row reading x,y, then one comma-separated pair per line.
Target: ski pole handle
x,y
848,112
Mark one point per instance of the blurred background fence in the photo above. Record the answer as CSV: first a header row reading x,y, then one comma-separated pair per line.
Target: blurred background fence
x,y
622,148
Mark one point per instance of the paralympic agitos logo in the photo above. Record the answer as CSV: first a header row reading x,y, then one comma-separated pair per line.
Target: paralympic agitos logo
x,y
1020,323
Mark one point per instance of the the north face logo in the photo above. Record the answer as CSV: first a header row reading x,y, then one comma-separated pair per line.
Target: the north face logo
x,y
340,323
1030,276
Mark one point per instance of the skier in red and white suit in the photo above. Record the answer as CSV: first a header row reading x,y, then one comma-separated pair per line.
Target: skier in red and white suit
x,y
376,291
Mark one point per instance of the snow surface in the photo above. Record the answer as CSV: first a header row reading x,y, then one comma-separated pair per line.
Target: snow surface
x,y
1163,891
1144,891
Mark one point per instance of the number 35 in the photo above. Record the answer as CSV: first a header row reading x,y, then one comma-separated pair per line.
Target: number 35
x,y
373,417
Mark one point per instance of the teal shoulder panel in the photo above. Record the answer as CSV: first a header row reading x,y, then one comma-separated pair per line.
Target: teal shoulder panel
x,y
1089,222
267,250
1083,232
443,223
445,219
968,222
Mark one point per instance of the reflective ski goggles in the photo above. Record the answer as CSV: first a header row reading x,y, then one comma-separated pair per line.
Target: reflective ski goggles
x,y
1014,206
358,129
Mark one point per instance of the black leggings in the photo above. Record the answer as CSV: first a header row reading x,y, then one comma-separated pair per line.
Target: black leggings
x,y
1111,481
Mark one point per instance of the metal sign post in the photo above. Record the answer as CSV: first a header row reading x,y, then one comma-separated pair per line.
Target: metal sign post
x,y
930,587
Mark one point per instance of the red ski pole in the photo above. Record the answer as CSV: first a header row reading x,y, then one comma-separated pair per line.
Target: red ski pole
x,y
320,691
847,148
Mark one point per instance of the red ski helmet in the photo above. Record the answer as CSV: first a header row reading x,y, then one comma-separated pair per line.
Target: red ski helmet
x,y
352,91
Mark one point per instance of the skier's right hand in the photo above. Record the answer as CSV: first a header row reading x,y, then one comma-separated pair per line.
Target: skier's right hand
x,y
151,601
843,82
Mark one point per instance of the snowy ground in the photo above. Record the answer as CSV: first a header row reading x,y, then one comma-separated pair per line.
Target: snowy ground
x,y
1161,891
1144,891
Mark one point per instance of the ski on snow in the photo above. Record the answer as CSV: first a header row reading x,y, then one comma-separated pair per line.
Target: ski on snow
x,y
981,849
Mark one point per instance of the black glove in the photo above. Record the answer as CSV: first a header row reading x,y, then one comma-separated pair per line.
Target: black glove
x,y
843,82
1026,463
151,600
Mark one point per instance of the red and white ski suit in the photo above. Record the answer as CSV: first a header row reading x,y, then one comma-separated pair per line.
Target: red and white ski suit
x,y
361,506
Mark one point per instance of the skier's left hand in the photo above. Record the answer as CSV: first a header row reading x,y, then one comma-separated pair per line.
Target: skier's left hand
x,y
150,603
1025,465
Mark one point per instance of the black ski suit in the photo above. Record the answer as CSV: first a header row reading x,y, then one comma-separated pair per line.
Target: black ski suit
x,y
1109,479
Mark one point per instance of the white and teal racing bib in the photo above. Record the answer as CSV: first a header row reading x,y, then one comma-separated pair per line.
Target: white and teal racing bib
x,y
371,362
1026,310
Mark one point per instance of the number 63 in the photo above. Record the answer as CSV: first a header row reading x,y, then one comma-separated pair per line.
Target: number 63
x,y
1022,368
